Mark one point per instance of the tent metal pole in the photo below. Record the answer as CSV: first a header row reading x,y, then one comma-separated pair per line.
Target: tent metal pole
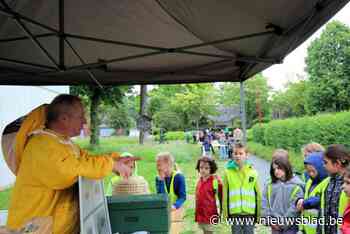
x,y
27,63
115,42
34,40
61,35
92,76
26,38
227,40
12,14
99,64
243,112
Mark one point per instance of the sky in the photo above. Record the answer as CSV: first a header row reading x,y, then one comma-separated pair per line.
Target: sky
x,y
278,75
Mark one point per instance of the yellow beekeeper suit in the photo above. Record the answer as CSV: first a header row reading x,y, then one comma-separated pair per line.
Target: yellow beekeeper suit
x,y
47,174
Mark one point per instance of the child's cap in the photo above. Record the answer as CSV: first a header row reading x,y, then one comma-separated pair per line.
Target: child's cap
x,y
126,154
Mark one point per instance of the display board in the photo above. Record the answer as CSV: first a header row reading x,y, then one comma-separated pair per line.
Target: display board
x,y
94,217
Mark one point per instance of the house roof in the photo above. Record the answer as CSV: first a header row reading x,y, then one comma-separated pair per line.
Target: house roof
x,y
225,115
150,41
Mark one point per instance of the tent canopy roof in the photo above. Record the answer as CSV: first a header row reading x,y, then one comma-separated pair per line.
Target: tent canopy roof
x,y
150,41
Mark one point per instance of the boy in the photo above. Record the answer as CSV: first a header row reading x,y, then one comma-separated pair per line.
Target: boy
x,y
241,192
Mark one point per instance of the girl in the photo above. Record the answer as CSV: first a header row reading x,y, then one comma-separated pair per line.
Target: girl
x,y
333,200
310,205
172,182
208,194
241,193
280,196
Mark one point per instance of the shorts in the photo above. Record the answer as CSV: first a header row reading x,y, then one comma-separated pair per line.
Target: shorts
x,y
207,227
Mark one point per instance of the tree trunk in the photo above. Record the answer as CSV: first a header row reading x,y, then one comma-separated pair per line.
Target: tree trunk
x,y
143,101
94,118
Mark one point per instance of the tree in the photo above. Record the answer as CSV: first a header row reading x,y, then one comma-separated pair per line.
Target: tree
x,y
93,97
176,107
122,115
328,66
256,97
290,102
196,103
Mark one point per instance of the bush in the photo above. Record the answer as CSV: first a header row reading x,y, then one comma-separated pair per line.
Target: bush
x,y
177,135
293,133
172,136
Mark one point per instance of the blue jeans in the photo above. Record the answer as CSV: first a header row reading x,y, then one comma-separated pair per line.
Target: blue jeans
x,y
223,152
242,229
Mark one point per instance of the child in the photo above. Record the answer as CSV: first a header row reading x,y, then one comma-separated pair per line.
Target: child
x,y
310,205
208,194
241,193
223,146
206,147
308,149
116,178
172,182
280,195
345,228
333,200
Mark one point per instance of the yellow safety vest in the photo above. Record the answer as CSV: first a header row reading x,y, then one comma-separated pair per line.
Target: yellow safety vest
x,y
216,191
243,194
310,214
171,194
343,201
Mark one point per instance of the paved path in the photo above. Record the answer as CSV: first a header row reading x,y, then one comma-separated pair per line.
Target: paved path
x,y
263,168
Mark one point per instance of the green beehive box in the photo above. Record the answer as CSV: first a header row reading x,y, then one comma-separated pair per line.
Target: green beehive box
x,y
139,213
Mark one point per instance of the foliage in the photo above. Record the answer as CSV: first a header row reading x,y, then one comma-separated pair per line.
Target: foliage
x,y
5,198
93,97
120,115
175,107
293,133
328,65
290,102
168,119
256,97
172,136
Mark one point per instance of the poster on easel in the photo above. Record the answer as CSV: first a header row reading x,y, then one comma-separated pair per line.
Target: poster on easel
x,y
94,217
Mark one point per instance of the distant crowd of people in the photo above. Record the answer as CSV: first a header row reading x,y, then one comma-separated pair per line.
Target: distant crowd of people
x,y
222,139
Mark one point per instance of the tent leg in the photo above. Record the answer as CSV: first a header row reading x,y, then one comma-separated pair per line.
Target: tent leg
x,y
243,113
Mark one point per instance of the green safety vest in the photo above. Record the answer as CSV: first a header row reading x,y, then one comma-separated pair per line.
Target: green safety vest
x,y
343,201
171,194
243,194
310,214
109,190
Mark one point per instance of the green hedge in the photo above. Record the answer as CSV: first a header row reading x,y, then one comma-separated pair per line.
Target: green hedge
x,y
293,133
172,136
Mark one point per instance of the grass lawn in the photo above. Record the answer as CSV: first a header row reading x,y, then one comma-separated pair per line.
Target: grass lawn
x,y
185,155
4,199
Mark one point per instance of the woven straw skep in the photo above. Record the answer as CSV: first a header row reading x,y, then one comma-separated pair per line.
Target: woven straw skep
x,y
135,185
